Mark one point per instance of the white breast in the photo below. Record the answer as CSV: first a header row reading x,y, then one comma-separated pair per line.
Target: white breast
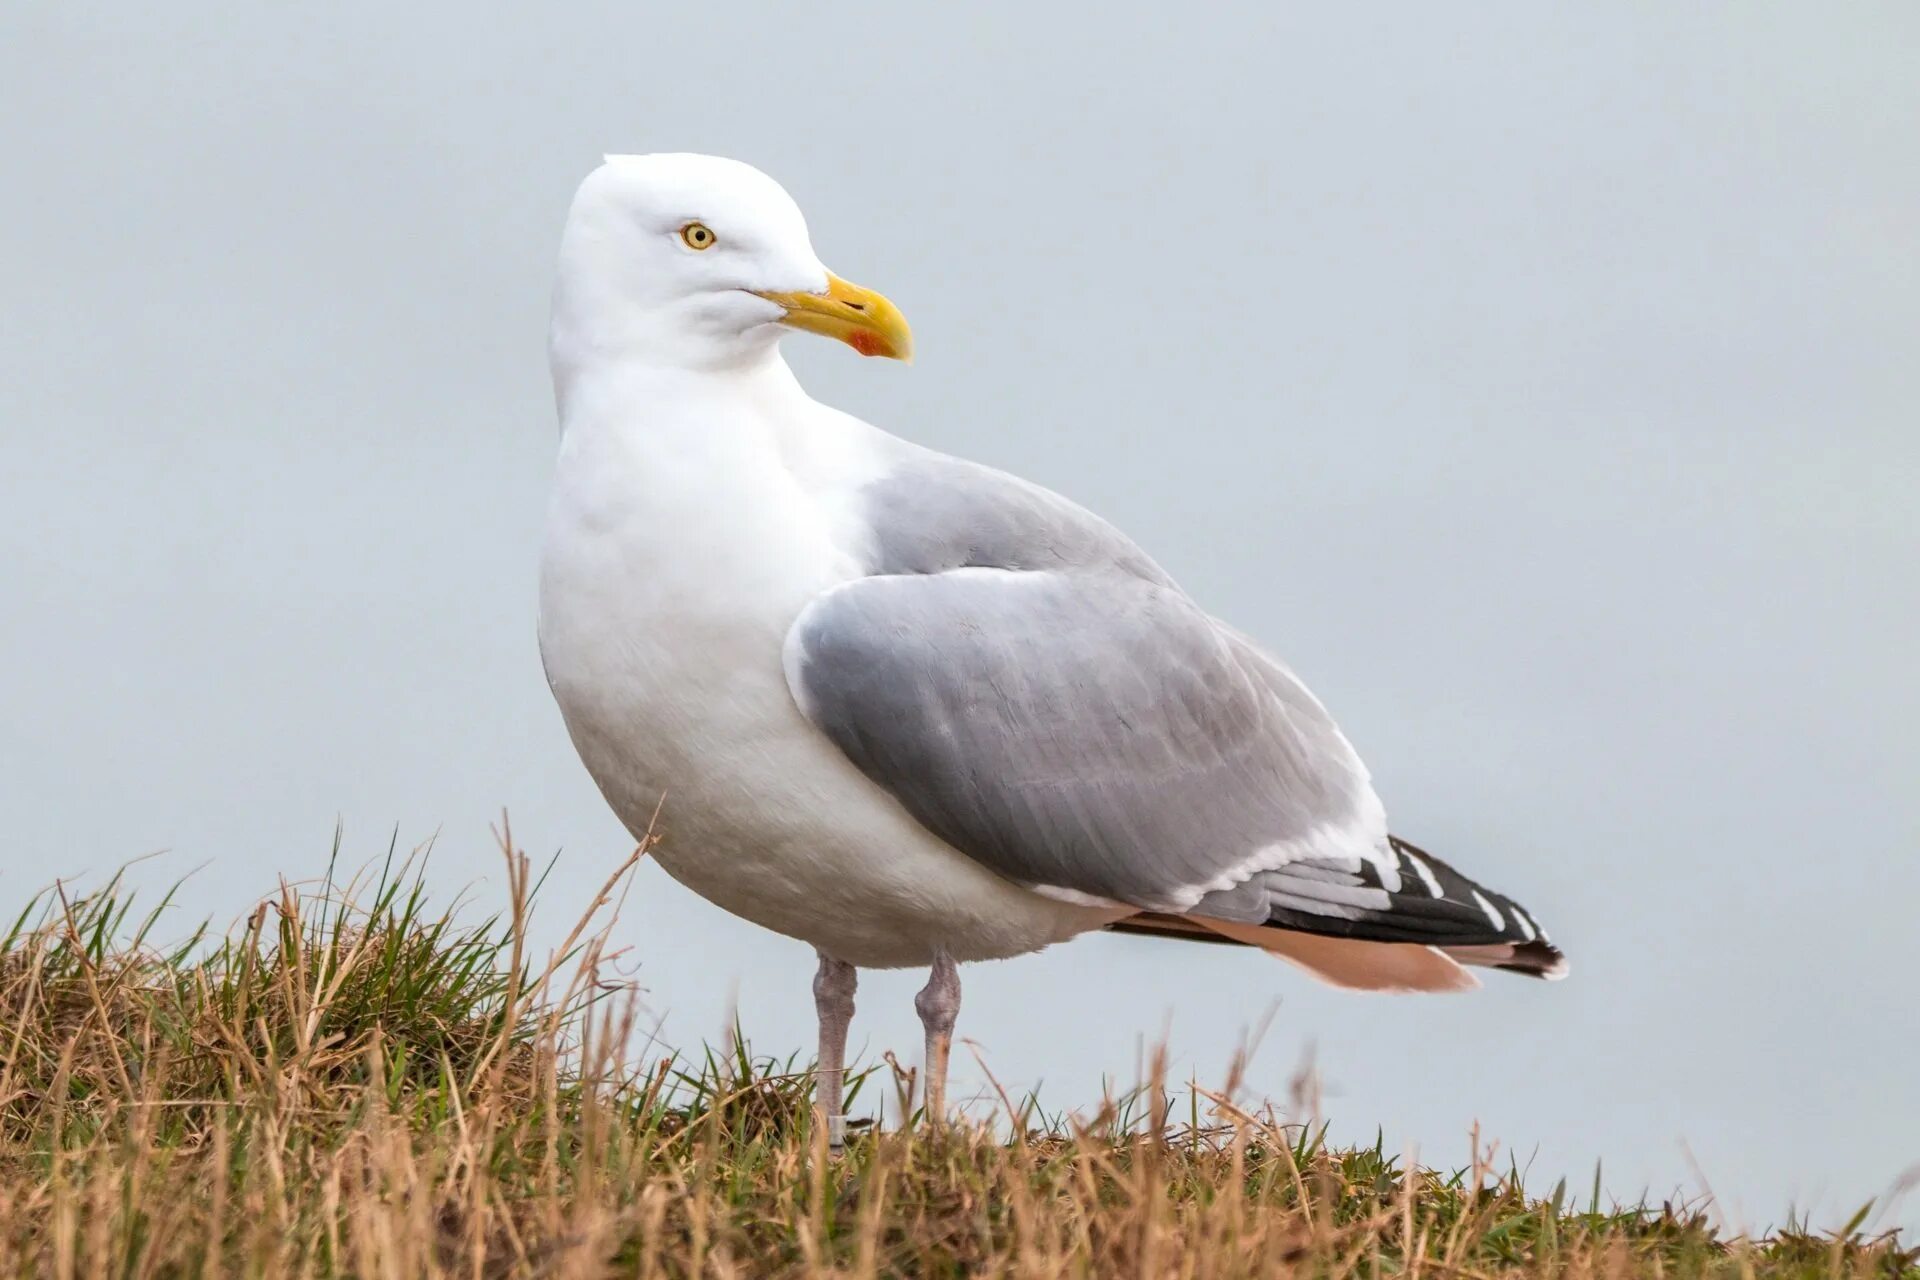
x,y
687,530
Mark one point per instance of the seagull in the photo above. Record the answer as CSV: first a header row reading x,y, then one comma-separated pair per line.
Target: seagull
x,y
903,707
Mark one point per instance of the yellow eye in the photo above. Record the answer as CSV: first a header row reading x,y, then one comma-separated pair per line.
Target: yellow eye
x,y
697,235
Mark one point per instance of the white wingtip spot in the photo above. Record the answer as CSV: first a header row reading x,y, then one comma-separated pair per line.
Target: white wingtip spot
x,y
1493,913
1421,869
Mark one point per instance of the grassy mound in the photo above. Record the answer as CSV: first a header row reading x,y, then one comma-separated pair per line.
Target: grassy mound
x,y
350,1084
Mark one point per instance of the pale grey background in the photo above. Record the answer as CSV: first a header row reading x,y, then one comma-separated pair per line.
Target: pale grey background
x,y
1542,385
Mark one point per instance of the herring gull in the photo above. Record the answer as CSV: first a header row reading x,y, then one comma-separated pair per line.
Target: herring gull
x,y
906,708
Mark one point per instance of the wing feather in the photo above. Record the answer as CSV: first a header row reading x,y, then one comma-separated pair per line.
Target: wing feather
x,y
1089,732
1039,694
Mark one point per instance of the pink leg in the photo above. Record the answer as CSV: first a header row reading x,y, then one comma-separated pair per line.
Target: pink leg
x,y
938,1004
833,987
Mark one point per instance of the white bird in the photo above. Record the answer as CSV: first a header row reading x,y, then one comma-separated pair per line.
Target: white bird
x,y
905,708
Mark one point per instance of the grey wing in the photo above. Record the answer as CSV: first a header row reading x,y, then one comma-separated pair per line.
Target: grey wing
x,y
1037,693
1083,732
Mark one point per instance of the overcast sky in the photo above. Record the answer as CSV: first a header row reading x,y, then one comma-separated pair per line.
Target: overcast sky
x,y
1542,385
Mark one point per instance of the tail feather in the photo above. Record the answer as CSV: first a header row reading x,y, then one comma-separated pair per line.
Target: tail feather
x,y
1339,962
1357,966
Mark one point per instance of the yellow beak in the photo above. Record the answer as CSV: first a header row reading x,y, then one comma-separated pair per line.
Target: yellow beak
x,y
861,318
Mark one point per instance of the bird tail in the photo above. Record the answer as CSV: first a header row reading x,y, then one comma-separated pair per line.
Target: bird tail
x,y
1409,925
1339,962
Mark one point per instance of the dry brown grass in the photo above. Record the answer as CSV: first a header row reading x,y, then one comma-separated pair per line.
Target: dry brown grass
x,y
350,1085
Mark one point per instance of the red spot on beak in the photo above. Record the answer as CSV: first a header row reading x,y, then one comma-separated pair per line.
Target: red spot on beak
x,y
867,344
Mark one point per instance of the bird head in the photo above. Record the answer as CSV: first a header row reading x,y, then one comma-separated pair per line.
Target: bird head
x,y
698,261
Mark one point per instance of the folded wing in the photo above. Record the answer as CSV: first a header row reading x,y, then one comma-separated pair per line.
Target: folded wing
x,y
1045,700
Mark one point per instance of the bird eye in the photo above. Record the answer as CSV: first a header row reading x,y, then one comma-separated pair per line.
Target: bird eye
x,y
697,235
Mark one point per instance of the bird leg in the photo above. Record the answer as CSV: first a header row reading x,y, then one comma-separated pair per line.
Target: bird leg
x,y
938,1004
833,986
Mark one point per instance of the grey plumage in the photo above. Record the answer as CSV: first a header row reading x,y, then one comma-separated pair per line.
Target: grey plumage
x,y
935,513
1042,696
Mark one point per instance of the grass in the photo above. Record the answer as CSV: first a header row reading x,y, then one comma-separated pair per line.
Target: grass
x,y
351,1083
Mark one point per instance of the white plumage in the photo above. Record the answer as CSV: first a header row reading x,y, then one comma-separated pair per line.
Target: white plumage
x,y
904,708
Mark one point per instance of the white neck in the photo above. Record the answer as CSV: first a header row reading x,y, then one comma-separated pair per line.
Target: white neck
x,y
593,384
706,457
